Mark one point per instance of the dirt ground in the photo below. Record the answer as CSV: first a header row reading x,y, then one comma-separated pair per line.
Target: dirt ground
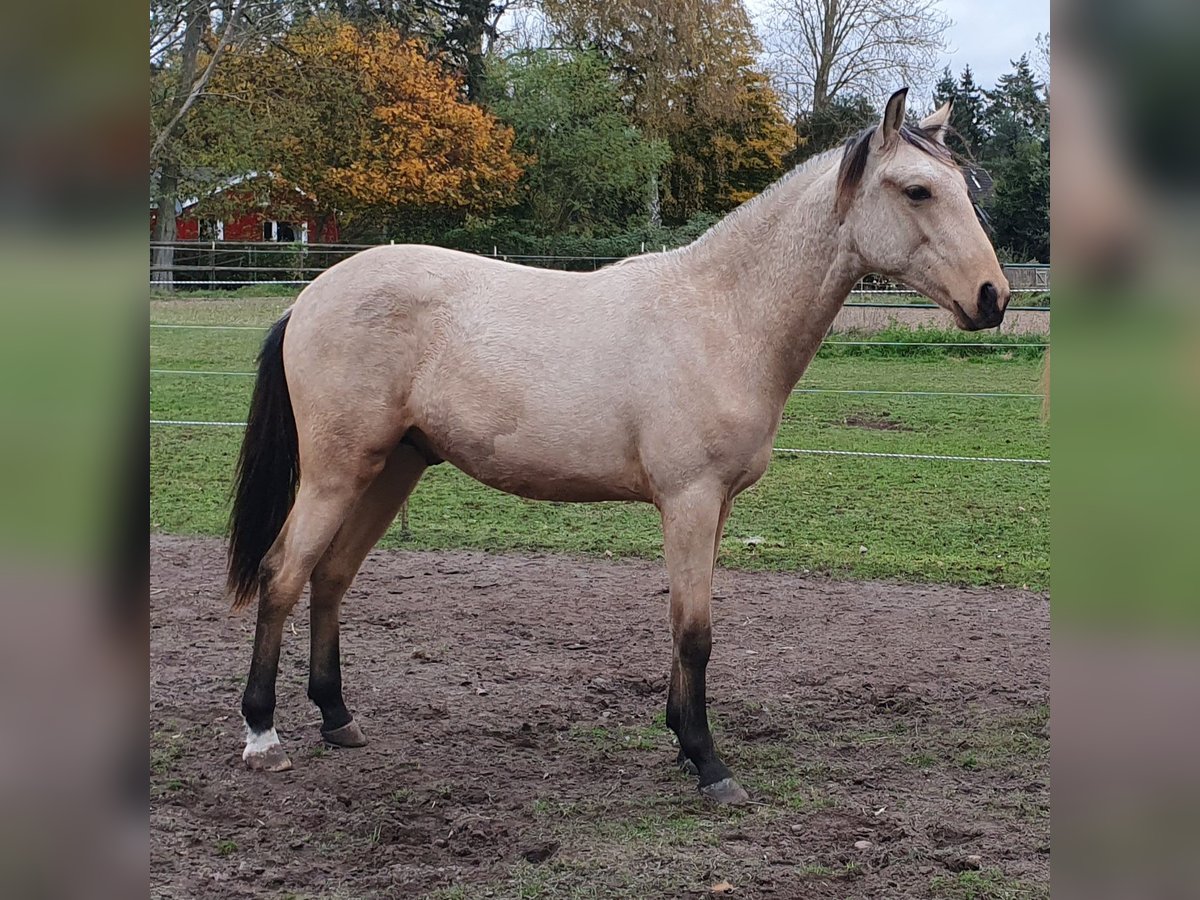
x,y
515,710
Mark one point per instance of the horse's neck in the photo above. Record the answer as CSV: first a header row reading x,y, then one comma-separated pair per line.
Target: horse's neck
x,y
779,269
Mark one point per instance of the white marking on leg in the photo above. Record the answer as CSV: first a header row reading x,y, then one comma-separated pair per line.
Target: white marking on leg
x,y
259,742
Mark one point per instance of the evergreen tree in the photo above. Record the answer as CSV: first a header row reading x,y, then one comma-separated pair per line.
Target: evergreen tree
x,y
1020,208
827,127
946,89
1016,110
969,119
1017,153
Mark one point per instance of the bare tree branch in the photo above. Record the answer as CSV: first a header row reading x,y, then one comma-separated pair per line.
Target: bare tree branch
x,y
197,87
819,50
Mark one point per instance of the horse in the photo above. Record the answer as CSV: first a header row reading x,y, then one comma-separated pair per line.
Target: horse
x,y
660,379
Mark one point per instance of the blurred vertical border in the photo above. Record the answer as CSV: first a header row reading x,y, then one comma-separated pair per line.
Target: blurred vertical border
x,y
1125,218
74,449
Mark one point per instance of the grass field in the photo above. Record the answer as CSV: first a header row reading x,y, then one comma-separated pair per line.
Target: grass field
x,y
959,522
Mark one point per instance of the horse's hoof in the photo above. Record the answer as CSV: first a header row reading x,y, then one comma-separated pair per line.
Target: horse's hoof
x,y
349,735
727,790
264,753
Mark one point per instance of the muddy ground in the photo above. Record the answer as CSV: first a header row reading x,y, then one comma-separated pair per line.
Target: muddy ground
x,y
515,710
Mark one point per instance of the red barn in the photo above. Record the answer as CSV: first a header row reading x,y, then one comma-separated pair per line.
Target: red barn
x,y
254,207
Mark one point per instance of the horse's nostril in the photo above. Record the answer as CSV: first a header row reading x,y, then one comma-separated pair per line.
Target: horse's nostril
x,y
989,299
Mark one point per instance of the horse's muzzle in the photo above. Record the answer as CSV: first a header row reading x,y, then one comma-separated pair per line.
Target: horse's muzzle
x,y
991,306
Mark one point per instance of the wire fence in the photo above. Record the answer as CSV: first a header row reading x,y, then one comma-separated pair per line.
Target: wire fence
x,y
223,265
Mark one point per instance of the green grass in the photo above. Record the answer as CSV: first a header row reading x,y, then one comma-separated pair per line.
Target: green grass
x,y
972,523
990,884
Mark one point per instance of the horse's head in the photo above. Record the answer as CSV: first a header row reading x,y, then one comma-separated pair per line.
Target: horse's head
x,y
907,213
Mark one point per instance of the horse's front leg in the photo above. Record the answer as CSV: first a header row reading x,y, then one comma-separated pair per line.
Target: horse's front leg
x,y
692,522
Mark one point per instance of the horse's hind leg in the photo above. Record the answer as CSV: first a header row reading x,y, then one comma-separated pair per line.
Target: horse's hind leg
x,y
324,499
331,578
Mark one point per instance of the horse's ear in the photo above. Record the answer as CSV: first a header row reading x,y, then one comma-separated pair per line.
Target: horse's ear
x,y
893,117
935,123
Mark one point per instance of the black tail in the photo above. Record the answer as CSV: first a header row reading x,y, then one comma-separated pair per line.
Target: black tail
x,y
268,470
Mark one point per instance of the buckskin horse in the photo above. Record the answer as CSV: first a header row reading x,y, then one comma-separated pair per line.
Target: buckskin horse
x,y
659,379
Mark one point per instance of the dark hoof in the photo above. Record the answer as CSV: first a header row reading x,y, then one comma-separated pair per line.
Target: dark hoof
x,y
727,790
272,759
686,765
349,735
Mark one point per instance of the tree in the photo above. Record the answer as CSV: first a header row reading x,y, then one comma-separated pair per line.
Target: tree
x,y
670,56
365,122
588,164
412,18
1042,57
825,128
686,69
718,162
1017,153
188,40
178,32
946,88
969,116
462,31
967,126
1020,208
825,49
748,150
469,33
1017,111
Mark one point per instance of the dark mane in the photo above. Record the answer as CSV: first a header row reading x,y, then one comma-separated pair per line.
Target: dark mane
x,y
858,147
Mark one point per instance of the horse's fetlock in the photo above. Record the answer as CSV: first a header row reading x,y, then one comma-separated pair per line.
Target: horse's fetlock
x,y
324,690
694,645
258,709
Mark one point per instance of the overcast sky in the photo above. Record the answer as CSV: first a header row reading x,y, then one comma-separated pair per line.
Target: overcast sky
x,y
987,34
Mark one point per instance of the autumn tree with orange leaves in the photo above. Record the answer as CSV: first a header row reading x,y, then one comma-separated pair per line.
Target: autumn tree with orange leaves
x,y
362,120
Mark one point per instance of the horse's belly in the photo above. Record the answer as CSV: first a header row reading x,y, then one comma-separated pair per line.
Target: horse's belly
x,y
540,476
552,463
565,486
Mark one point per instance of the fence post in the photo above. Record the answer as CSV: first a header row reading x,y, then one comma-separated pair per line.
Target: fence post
x,y
212,266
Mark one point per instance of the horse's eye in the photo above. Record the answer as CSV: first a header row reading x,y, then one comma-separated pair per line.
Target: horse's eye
x,y
916,192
